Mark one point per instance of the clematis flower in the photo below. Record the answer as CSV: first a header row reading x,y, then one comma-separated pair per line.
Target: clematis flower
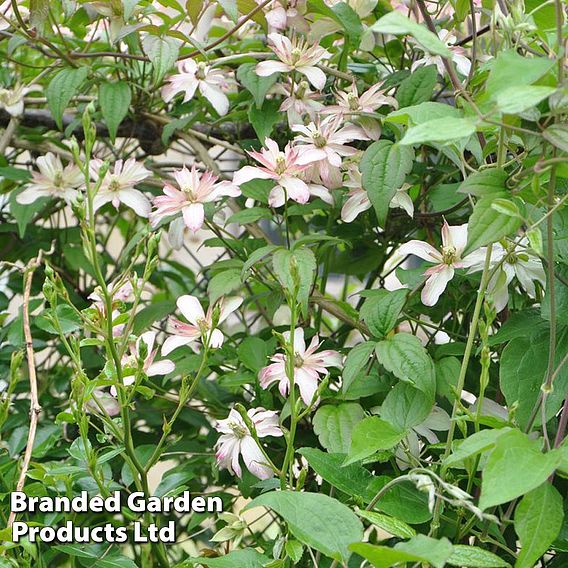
x,y
201,325
287,14
236,441
195,189
323,144
519,262
118,184
295,55
12,100
463,64
192,76
281,167
358,200
150,367
447,259
352,105
299,102
52,180
308,366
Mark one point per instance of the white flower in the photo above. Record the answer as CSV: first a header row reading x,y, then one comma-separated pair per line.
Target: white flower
x,y
236,440
308,366
520,262
447,259
52,180
299,102
118,185
12,100
192,76
201,325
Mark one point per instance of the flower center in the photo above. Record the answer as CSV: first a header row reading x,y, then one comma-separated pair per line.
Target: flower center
x,y
200,73
449,255
301,90
203,325
295,55
280,164
298,361
58,179
239,430
319,139
353,101
114,184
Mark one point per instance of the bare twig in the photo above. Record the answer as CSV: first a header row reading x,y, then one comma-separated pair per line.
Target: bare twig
x,y
35,407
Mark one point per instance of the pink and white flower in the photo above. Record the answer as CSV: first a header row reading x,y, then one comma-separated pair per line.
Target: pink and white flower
x,y
195,189
118,183
52,180
12,100
150,367
463,64
201,325
295,55
308,367
323,144
355,107
287,14
281,167
193,76
447,259
299,102
236,441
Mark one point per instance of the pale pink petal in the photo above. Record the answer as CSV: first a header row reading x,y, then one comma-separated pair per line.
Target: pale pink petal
x,y
420,249
162,367
191,309
314,75
254,460
175,341
436,284
267,68
193,216
248,173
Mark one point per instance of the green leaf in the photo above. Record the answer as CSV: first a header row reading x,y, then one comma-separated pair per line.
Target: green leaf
x,y
251,215
485,183
246,558
381,310
151,313
397,24
514,467
424,112
538,520
404,356
315,519
393,526
405,406
162,52
417,88
65,314
524,364
439,130
342,13
256,85
351,479
230,8
475,557
371,435
257,256
39,15
333,425
355,362
224,283
557,135
384,168
486,225
264,119
419,548
509,69
253,353
475,444
114,99
24,214
61,89
515,100
296,270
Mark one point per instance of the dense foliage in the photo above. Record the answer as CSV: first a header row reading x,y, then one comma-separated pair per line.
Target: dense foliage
x,y
310,256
